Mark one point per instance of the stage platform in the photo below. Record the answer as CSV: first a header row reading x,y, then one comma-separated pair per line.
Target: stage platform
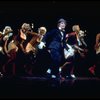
x,y
41,87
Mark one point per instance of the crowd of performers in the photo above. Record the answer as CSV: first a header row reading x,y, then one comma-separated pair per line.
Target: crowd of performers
x,y
44,53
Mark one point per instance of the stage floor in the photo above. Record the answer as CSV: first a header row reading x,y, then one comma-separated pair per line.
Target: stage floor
x,y
41,87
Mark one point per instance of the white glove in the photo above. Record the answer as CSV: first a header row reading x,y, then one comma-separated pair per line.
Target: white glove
x,y
0,48
49,71
10,34
41,45
69,52
6,37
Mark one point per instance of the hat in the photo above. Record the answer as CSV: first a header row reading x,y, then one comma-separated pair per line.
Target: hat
x,y
62,20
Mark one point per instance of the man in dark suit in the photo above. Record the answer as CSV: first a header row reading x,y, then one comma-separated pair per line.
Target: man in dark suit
x,y
55,42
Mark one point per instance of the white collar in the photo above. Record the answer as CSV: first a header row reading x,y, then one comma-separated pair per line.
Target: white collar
x,y
61,29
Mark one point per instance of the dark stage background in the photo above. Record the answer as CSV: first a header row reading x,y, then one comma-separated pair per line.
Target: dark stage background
x,y
46,13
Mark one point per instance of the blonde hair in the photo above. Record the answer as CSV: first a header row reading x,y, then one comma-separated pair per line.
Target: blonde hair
x,y
26,26
1,33
7,29
42,30
74,27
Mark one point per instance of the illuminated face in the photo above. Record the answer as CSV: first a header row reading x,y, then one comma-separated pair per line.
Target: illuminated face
x,y
26,27
62,25
42,30
77,28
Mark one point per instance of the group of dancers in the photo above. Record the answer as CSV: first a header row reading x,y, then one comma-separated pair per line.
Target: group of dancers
x,y
49,53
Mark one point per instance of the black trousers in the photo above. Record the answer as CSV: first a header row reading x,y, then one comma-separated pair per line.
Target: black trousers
x,y
56,58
